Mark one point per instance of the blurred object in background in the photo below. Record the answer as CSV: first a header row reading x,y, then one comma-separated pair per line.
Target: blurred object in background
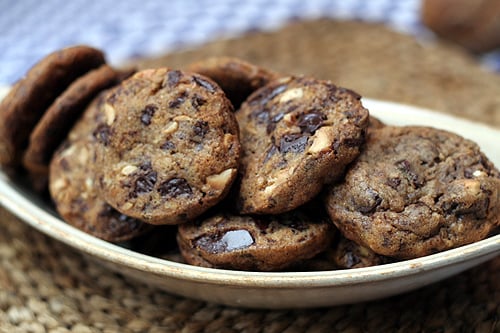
x,y
132,29
474,24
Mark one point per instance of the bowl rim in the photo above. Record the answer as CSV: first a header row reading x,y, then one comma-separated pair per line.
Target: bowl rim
x,y
46,222
26,206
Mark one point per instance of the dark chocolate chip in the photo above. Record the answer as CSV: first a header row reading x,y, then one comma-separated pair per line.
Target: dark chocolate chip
x,y
113,96
267,94
350,92
295,224
148,113
310,122
200,128
102,134
197,101
261,116
350,259
277,117
173,78
167,145
394,182
336,146
65,164
374,201
353,142
178,100
293,143
270,152
272,124
107,211
332,93
479,208
262,224
205,84
275,92
351,113
405,167
118,222
469,173
174,188
146,179
226,242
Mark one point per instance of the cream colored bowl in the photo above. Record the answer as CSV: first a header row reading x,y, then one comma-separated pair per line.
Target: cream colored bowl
x,y
277,290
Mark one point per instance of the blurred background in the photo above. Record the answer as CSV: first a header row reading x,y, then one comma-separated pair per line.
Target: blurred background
x,y
130,29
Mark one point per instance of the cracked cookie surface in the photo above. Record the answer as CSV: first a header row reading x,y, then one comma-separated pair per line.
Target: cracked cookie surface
x,y
72,185
415,191
297,134
169,148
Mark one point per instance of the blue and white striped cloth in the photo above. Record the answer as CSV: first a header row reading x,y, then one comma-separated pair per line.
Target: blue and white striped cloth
x,y
30,29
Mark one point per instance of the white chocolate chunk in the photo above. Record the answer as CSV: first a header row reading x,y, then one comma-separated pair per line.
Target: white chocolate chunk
x,y
83,156
268,189
128,170
220,180
70,151
171,127
281,178
471,187
59,184
287,118
89,183
478,173
291,94
183,118
127,206
109,113
322,140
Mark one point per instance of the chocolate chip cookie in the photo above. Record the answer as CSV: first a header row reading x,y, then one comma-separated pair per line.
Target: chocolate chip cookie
x,y
415,191
258,243
235,76
374,123
297,134
73,188
347,254
30,97
60,116
169,148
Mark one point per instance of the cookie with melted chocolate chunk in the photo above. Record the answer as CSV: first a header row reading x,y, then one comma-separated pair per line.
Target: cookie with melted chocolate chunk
x,y
254,243
73,188
297,134
169,148
238,78
415,191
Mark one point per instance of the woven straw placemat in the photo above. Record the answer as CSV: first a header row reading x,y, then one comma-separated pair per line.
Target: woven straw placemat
x,y
45,286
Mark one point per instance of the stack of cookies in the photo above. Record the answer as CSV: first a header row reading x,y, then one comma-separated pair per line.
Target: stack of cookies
x,y
254,170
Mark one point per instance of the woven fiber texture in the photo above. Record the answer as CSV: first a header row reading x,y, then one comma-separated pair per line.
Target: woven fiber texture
x,y
370,59
45,286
